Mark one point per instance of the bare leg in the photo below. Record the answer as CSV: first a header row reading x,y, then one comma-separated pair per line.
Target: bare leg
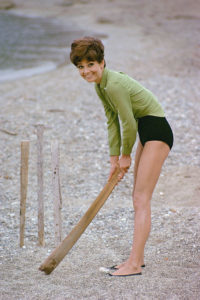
x,y
137,159
149,167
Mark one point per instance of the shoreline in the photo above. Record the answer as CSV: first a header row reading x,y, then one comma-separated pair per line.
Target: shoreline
x,y
26,67
11,74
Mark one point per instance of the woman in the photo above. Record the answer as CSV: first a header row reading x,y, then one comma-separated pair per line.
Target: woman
x,y
139,111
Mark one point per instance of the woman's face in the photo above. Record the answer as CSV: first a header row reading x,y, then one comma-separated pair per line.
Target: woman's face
x,y
91,70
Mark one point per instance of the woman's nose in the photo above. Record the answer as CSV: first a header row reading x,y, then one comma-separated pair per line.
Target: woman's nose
x,y
85,70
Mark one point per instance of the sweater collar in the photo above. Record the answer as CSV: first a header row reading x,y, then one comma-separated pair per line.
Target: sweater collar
x,y
103,82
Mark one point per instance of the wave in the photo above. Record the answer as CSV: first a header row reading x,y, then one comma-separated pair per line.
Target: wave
x,y
12,74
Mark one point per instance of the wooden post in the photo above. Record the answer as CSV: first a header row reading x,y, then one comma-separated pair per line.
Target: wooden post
x,y
56,192
23,187
40,131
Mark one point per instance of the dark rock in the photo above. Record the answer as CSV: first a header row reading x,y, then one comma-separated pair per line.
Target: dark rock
x,y
4,5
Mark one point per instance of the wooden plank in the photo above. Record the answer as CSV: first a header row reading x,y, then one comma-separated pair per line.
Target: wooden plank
x,y
56,192
40,176
23,187
61,251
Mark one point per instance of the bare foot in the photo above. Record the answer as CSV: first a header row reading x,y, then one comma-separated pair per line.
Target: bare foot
x,y
126,262
121,265
127,269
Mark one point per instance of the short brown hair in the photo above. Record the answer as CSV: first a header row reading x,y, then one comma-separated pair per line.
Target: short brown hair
x,y
89,48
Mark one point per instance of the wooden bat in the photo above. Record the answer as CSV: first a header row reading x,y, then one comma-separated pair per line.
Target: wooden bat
x,y
64,247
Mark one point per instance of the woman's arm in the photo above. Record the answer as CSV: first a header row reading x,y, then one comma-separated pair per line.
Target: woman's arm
x,y
120,98
113,126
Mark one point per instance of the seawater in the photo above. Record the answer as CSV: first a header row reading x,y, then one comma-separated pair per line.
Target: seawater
x,y
30,46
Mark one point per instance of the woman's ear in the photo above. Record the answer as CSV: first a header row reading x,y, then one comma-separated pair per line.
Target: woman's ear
x,y
103,64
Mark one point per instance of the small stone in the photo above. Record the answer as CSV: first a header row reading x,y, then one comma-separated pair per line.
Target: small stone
x,y
104,270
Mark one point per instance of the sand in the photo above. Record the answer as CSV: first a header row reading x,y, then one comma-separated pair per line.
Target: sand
x,y
157,43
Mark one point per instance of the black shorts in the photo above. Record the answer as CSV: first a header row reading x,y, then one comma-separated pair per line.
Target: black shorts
x,y
152,128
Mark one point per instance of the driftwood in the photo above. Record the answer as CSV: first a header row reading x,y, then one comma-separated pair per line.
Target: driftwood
x,y
7,131
55,110
23,187
59,253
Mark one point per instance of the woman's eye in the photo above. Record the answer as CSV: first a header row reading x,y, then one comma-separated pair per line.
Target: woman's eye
x,y
80,67
91,64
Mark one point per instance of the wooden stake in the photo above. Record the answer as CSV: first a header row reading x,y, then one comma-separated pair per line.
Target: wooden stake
x,y
59,253
56,192
40,131
23,187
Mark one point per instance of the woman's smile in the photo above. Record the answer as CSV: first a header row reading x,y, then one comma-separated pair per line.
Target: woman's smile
x,y
91,70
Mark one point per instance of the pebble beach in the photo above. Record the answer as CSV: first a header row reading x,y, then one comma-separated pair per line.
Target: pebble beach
x,y
157,43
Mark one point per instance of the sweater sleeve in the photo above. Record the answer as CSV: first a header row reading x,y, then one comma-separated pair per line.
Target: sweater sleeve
x,y
120,98
113,126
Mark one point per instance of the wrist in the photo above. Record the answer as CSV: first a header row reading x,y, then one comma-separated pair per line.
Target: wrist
x,y
126,155
114,159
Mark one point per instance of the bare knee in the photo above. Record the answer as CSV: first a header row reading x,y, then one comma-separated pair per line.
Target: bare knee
x,y
141,201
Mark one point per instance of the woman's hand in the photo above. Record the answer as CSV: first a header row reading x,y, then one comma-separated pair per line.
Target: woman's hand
x,y
113,165
124,164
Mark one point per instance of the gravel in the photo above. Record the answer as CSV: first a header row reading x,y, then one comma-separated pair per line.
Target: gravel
x,y
156,43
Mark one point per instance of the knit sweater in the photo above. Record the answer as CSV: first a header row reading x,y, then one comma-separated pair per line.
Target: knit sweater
x,y
125,101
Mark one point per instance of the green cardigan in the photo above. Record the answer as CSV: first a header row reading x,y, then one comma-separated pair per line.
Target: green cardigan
x,y
125,99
